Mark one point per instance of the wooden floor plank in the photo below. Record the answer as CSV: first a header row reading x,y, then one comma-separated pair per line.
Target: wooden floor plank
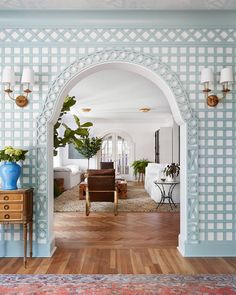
x,y
130,243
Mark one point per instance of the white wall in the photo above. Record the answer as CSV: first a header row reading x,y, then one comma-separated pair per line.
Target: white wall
x,y
141,132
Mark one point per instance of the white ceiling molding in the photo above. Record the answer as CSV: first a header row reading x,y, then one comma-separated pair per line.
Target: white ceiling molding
x,y
118,5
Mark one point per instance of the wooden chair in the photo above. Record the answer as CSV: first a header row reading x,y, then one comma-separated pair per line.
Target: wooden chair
x,y
101,188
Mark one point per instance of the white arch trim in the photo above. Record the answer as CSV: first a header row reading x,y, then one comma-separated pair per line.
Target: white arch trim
x,y
126,66
160,74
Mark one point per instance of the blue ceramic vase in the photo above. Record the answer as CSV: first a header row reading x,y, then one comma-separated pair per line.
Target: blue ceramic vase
x,y
10,172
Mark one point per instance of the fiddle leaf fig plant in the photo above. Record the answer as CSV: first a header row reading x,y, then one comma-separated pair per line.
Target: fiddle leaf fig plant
x,y
88,147
69,134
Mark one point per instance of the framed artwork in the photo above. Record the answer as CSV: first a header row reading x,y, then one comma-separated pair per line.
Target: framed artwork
x,y
73,153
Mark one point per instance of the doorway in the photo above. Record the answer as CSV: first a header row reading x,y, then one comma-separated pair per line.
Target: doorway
x,y
161,75
118,148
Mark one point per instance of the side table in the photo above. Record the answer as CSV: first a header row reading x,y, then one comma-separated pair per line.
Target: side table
x,y
16,206
82,190
121,186
166,195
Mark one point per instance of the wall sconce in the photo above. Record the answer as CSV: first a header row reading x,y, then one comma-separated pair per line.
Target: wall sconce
x,y
226,76
8,78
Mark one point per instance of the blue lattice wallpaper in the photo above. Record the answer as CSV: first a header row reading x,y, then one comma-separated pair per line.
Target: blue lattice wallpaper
x,y
186,51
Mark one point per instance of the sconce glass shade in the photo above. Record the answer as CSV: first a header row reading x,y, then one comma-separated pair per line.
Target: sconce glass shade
x,y
8,76
27,76
206,75
226,75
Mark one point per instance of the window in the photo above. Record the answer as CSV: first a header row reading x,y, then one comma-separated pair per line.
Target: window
x,y
116,149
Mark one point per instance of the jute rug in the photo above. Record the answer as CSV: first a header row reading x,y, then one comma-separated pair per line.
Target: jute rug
x,y
138,200
118,284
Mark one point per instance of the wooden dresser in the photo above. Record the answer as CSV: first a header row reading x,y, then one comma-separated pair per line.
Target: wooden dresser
x,y
16,206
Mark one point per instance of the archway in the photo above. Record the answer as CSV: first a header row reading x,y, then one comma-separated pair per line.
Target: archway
x,y
161,75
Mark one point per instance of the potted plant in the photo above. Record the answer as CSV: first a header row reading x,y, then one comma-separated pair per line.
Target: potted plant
x,y
171,171
139,168
69,134
88,147
10,170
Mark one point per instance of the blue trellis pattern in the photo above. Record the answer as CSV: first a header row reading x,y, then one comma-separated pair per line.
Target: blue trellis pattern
x,y
119,35
186,51
172,81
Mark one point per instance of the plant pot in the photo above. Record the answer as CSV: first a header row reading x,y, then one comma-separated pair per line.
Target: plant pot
x,y
10,172
170,178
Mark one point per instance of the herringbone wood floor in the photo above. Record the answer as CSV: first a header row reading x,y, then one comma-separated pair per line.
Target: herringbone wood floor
x,y
134,243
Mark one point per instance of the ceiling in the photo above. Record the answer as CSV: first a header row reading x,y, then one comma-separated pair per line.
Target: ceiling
x,y
119,4
117,94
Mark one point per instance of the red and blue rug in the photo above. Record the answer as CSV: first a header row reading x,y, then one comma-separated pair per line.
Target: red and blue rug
x,y
118,284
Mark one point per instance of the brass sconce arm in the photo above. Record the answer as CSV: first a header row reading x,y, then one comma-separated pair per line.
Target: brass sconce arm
x,y
226,77
212,99
20,100
9,79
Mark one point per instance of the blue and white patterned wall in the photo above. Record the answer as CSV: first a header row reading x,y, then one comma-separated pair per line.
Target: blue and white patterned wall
x,y
186,51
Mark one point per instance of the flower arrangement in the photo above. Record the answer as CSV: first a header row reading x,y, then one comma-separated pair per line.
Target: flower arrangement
x,y
172,170
10,154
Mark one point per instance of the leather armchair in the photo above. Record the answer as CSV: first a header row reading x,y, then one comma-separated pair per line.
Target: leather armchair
x,y
101,188
107,165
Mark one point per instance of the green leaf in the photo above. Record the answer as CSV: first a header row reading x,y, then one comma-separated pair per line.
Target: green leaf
x,y
68,103
82,132
57,125
87,124
68,133
77,142
77,120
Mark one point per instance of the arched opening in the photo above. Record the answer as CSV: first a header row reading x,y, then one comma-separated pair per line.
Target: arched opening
x,y
168,82
118,146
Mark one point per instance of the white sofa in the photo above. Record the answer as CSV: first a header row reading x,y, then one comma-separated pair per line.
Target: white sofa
x,y
154,172
70,173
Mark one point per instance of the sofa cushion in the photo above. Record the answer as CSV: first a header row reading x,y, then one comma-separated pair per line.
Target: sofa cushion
x,y
73,168
61,169
154,171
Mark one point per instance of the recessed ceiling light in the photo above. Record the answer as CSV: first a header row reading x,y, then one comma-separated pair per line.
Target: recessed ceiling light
x,y
144,110
86,110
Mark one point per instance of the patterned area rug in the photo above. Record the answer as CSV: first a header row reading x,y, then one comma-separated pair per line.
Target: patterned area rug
x,y
138,200
118,284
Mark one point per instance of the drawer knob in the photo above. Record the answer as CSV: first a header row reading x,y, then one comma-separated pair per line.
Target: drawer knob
x,y
6,207
6,198
6,216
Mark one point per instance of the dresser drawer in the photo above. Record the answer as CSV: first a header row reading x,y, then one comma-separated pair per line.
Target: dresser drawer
x,y
11,197
10,216
11,207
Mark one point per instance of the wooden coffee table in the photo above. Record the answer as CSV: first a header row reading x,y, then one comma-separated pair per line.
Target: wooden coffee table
x,y
120,184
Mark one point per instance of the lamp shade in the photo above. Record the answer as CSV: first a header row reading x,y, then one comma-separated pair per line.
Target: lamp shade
x,y
8,75
206,75
27,76
226,75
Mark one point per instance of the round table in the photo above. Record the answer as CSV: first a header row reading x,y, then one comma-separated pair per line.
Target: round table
x,y
166,195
